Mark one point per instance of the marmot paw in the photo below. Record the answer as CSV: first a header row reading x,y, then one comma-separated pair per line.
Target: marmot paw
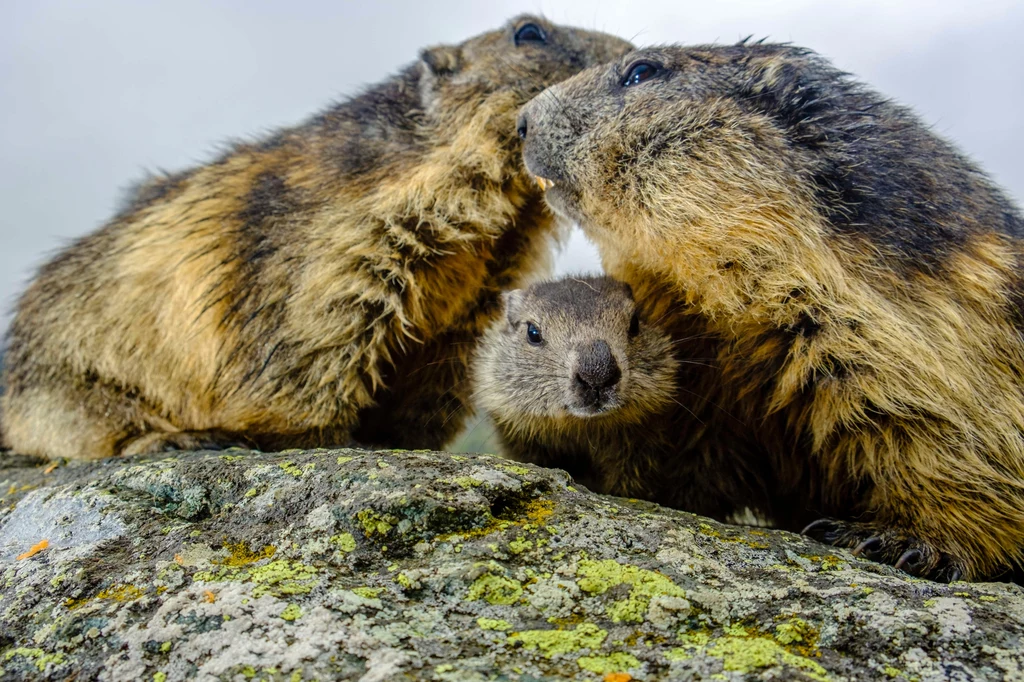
x,y
892,546
157,442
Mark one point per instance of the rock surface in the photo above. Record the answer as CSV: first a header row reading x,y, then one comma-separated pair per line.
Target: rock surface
x,y
431,566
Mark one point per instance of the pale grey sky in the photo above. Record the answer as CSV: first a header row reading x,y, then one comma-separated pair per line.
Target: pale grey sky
x,y
95,93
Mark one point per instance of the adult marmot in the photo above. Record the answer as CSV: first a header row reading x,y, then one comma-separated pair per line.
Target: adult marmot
x,y
859,278
324,280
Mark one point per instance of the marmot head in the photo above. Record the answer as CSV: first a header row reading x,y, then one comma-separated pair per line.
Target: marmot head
x,y
741,158
700,139
501,70
746,158
570,351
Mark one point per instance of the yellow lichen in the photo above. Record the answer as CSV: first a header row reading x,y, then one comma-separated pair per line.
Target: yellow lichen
x,y
343,541
612,663
39,658
553,642
291,612
597,577
241,555
374,523
493,624
495,589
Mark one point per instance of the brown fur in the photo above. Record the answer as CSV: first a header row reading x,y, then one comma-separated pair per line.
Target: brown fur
x,y
326,279
856,279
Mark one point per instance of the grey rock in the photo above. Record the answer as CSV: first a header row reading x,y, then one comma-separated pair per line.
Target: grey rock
x,y
379,566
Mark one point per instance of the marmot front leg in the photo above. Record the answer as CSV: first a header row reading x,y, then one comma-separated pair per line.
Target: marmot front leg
x,y
936,510
155,442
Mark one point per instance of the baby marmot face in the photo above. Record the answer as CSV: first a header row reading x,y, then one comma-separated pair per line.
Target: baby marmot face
x,y
698,139
574,349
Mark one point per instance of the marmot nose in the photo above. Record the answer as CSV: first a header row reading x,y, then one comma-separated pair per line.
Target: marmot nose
x,y
521,126
596,368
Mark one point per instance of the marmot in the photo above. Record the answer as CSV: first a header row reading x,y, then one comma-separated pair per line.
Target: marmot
x,y
860,279
576,377
322,282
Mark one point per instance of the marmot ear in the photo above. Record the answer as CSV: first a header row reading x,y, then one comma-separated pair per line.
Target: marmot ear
x,y
442,60
784,85
512,300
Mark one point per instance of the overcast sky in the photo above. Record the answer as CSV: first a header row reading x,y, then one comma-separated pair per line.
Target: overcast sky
x,y
95,93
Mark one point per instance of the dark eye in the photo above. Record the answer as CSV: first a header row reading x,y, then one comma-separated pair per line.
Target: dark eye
x,y
530,33
634,325
640,72
533,334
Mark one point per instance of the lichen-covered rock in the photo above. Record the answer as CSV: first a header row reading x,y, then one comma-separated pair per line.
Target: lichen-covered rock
x,y
380,566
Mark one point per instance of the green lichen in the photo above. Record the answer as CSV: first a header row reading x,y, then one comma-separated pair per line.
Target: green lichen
x,y
678,654
495,589
612,663
796,632
276,578
368,592
745,654
493,624
291,612
376,524
988,598
343,459
159,676
520,545
891,671
283,577
554,642
290,468
831,562
513,469
252,492
165,647
467,482
597,577
343,541
39,658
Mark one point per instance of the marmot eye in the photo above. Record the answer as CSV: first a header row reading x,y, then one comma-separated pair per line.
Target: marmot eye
x,y
640,72
533,334
530,33
634,325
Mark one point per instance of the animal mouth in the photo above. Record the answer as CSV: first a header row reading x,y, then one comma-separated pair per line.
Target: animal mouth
x,y
544,183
